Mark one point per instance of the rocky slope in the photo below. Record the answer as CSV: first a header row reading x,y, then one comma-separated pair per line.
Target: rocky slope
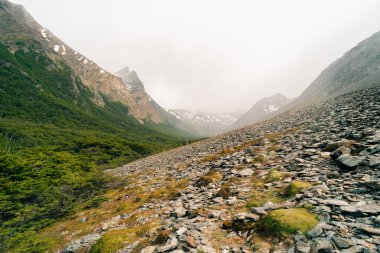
x,y
263,109
319,164
206,124
356,69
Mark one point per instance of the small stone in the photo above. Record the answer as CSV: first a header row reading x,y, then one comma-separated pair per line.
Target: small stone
x,y
342,243
219,200
259,210
181,231
349,162
325,155
190,241
302,247
340,151
377,220
324,217
335,202
149,249
245,172
179,211
369,230
231,201
268,205
320,245
370,209
317,231
349,209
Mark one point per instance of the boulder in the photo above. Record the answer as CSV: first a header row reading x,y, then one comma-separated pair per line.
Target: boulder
x,y
342,243
349,162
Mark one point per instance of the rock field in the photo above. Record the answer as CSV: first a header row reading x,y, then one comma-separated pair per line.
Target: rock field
x,y
323,160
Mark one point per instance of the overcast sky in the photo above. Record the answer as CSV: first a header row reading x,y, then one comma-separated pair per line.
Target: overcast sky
x,y
212,55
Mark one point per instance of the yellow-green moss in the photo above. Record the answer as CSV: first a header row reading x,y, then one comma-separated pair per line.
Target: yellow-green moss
x,y
274,175
116,239
210,177
296,187
287,221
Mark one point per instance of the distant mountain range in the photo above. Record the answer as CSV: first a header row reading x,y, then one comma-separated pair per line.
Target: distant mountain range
x,y
206,124
261,110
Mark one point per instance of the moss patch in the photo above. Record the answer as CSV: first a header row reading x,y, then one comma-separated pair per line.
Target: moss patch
x,y
274,175
210,177
296,187
260,195
116,239
287,221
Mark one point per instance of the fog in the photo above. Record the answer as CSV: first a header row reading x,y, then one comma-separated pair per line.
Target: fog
x,y
212,55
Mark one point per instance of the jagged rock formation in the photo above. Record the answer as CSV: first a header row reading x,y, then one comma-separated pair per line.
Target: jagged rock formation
x,y
213,195
263,109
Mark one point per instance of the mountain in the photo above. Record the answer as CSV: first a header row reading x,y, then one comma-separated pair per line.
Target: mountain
x,y
357,69
262,110
63,120
206,124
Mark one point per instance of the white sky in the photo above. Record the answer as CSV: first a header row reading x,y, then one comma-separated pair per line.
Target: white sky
x,y
212,55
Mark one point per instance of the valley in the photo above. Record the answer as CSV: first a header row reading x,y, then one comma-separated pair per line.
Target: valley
x,y
217,195
91,163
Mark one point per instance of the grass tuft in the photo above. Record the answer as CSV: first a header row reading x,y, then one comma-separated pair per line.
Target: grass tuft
x,y
283,222
296,187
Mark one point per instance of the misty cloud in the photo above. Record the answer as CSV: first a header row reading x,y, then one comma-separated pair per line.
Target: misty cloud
x,y
215,55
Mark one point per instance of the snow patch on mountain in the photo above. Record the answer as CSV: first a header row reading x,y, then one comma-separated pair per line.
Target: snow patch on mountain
x,y
224,119
56,48
262,110
64,50
43,32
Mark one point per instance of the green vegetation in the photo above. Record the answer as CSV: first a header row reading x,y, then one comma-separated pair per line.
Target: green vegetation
x,y
260,195
55,143
114,240
282,222
210,177
296,187
274,175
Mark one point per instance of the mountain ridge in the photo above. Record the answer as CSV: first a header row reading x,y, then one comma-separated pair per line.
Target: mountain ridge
x,y
358,68
261,110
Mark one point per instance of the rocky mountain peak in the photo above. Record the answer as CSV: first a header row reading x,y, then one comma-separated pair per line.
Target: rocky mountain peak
x,y
262,109
130,79
16,23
